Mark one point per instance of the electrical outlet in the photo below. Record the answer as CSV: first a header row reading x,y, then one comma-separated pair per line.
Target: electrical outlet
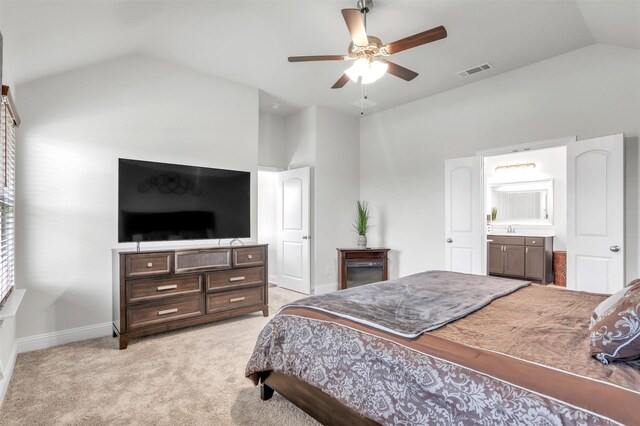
x,y
328,271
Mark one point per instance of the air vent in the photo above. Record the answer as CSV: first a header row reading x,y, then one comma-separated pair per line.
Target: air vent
x,y
475,70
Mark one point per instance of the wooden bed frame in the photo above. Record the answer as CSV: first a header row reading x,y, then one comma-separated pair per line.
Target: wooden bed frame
x,y
322,407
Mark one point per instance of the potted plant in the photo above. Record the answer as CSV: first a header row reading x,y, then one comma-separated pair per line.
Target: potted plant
x,y
494,213
362,223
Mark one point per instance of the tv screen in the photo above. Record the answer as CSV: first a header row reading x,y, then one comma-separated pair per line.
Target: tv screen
x,y
162,202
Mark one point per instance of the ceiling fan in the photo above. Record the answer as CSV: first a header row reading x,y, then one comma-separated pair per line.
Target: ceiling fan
x,y
369,52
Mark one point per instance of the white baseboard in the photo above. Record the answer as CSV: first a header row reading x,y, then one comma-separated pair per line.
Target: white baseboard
x,y
273,278
325,288
7,371
47,340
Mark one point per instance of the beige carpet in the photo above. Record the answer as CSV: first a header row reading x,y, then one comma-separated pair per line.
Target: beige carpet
x,y
186,377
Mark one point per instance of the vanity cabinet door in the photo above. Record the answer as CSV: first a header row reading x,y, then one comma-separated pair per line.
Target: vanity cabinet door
x,y
534,263
496,260
514,261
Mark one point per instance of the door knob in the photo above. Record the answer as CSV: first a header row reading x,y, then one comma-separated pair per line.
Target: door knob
x,y
614,249
449,240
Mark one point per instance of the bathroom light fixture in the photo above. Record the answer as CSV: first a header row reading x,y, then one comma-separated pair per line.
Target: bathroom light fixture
x,y
370,71
516,166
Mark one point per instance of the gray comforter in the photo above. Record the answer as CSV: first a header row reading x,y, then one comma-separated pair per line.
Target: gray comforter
x,y
411,305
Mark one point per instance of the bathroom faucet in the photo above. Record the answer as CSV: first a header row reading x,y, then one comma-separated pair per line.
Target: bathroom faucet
x,y
511,230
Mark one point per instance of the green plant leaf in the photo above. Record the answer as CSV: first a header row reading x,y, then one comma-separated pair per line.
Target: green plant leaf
x,y
361,225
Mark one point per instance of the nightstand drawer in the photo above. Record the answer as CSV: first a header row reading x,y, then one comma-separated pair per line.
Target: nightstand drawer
x,y
225,280
145,315
249,256
218,302
145,290
143,264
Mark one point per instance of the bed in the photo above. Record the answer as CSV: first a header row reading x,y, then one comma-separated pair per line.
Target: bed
x,y
520,356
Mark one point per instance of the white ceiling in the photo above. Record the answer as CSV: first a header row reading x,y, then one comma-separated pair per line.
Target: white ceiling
x,y
249,41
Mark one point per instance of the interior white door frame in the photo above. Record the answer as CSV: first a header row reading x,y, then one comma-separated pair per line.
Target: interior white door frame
x,y
531,146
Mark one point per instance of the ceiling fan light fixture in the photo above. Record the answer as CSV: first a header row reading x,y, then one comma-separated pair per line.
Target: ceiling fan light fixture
x,y
358,69
368,71
376,70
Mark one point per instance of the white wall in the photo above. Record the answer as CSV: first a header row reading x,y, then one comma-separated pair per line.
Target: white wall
x,y
588,92
8,352
75,127
328,142
337,187
301,136
272,143
268,218
551,163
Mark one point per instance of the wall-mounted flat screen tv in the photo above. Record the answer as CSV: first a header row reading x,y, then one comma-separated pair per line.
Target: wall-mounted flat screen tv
x,y
164,202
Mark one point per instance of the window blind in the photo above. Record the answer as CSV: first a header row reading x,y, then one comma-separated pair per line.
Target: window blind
x,y
7,196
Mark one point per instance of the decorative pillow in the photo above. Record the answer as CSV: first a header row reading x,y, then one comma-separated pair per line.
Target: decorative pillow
x,y
615,326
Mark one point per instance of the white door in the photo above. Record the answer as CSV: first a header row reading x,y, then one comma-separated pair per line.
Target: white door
x,y
293,251
595,214
463,215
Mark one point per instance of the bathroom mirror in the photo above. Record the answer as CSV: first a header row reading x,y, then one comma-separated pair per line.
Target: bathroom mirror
x,y
522,202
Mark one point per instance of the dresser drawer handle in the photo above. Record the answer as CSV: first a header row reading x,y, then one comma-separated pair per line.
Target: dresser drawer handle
x,y
149,265
250,256
237,299
168,311
167,287
232,279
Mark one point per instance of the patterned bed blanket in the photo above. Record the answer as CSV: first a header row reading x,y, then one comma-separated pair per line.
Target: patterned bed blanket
x,y
411,305
395,384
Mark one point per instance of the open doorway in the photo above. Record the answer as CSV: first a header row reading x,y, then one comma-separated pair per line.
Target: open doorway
x,y
588,220
525,207
284,223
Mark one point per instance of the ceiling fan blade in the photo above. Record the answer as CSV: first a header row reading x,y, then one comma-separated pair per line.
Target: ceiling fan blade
x,y
415,40
400,71
316,58
355,24
341,82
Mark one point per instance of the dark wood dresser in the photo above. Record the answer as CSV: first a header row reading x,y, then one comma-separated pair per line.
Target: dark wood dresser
x,y
362,266
521,257
156,291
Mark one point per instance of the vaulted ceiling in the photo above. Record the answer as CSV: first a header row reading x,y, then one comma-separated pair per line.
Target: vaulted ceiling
x,y
249,41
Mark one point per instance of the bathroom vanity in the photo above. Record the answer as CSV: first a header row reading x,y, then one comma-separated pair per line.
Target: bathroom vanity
x,y
517,256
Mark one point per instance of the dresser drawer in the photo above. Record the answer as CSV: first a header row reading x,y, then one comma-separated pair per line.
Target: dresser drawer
x,y
225,280
249,256
145,315
218,302
533,241
145,290
194,260
145,264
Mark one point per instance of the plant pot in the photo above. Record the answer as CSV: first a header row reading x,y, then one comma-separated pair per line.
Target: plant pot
x,y
362,241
